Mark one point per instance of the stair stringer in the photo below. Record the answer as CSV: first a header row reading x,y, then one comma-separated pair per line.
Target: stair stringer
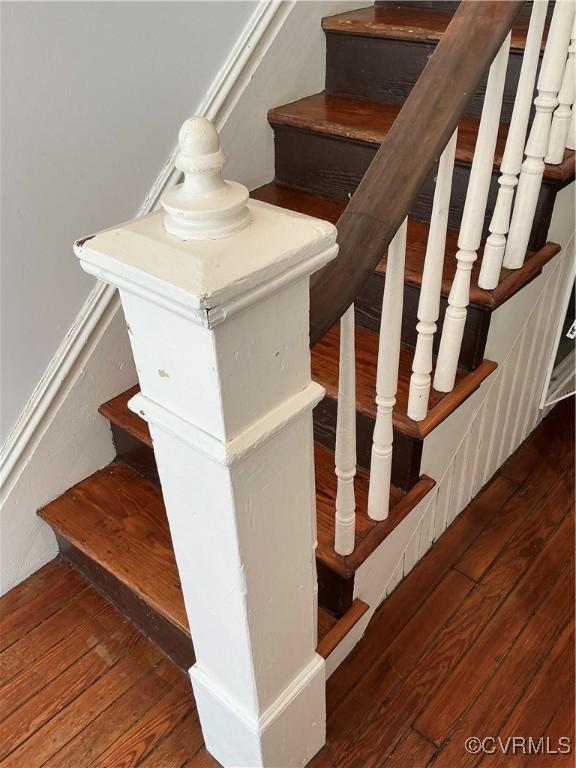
x,y
463,453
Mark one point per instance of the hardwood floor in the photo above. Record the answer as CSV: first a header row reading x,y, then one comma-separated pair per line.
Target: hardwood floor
x,y
477,641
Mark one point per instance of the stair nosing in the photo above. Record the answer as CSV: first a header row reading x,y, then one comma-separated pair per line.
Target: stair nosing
x,y
562,173
404,32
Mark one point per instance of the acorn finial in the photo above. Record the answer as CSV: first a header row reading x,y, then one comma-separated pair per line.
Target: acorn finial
x,y
204,206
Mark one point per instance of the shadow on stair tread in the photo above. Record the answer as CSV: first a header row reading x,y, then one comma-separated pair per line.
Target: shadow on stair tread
x,y
330,209
362,120
116,520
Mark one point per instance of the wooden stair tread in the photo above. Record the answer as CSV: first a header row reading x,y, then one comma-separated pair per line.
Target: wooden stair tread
x,y
363,120
116,411
117,518
369,533
329,638
405,23
325,371
330,209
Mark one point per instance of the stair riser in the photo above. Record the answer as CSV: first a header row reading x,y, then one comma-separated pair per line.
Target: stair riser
x,y
135,453
406,457
335,593
368,310
386,70
450,5
334,596
335,166
169,637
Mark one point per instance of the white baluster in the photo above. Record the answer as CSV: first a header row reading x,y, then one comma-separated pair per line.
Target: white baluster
x,y
429,303
562,116
346,438
472,221
549,82
387,377
514,152
571,138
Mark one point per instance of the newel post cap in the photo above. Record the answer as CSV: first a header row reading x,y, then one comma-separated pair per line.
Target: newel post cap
x,y
204,206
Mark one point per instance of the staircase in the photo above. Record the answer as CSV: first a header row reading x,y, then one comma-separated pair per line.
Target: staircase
x,y
112,526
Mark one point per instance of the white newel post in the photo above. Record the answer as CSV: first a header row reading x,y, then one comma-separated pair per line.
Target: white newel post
x,y
215,293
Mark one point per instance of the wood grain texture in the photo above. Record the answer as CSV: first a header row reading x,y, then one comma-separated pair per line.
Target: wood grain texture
x,y
387,70
117,412
110,724
362,120
120,703
532,714
403,22
334,636
467,679
413,751
25,681
505,691
18,727
391,666
525,570
31,608
168,635
441,405
117,518
326,621
335,167
113,527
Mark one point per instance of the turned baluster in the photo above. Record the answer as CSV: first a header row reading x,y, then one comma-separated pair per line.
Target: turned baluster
x,y
472,222
346,438
429,303
387,377
514,152
563,113
549,82
571,138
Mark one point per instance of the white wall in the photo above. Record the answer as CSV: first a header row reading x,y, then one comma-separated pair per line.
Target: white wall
x,y
92,96
60,438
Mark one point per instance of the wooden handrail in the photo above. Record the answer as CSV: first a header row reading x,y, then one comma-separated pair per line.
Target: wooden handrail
x,y
408,154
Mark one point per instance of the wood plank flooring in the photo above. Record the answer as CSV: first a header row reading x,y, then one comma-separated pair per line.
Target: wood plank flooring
x,y
477,641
